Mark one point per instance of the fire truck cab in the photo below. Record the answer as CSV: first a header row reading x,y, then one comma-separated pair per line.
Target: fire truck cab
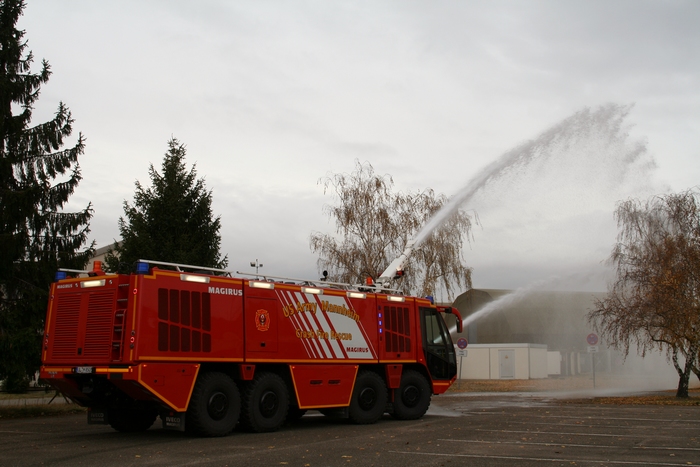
x,y
206,351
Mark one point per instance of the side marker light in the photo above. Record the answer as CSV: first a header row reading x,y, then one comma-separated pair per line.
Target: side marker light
x,y
193,278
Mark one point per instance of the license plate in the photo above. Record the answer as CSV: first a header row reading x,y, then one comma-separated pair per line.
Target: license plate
x,y
84,369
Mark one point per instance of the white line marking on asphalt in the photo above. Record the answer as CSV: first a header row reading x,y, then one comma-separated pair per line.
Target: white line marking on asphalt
x,y
558,433
530,443
673,420
542,459
670,420
659,448
587,424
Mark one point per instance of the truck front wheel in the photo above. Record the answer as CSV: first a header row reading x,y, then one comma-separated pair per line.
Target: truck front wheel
x,y
368,398
266,402
215,405
412,398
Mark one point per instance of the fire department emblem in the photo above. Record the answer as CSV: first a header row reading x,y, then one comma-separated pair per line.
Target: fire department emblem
x,y
262,320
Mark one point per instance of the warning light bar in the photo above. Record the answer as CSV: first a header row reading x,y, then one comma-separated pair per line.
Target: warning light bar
x,y
62,273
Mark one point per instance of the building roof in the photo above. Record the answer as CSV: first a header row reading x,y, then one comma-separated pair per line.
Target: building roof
x,y
554,318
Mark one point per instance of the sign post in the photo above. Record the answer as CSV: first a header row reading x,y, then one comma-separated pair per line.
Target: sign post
x,y
461,352
592,340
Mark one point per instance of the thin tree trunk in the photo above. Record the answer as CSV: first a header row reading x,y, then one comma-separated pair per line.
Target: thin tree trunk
x,y
683,384
696,365
683,373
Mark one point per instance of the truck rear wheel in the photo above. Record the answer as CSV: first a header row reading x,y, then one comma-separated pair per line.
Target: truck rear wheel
x,y
266,403
412,398
215,405
368,398
132,419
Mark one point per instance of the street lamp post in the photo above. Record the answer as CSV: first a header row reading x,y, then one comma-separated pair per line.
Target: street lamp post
x,y
256,265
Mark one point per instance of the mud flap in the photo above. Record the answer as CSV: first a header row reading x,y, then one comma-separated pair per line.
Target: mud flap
x,y
174,421
96,416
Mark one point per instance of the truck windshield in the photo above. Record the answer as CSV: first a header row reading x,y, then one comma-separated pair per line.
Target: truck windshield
x,y
437,344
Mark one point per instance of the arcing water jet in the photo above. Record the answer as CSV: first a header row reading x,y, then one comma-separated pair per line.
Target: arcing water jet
x,y
589,151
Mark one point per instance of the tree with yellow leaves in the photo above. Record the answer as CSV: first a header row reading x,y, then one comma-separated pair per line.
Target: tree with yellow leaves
x,y
654,301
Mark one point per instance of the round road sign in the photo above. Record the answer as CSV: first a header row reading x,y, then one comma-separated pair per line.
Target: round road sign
x,y
462,343
592,339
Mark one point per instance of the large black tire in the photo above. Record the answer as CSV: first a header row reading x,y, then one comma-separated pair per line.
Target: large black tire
x,y
369,398
412,398
265,403
132,419
215,405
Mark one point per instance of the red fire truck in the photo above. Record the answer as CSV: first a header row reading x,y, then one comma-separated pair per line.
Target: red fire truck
x,y
207,351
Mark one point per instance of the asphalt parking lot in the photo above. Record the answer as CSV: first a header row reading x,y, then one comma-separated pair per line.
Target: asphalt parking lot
x,y
460,429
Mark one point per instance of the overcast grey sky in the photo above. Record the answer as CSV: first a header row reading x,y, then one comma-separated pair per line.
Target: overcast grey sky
x,y
269,96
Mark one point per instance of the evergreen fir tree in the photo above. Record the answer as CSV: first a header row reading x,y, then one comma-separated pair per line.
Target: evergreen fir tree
x,y
171,221
37,177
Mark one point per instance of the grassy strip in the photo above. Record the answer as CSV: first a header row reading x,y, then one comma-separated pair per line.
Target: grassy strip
x,y
637,400
573,383
39,410
28,395
576,383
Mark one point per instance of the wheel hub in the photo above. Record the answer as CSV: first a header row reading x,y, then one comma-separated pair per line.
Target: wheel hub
x,y
268,404
410,396
217,405
368,398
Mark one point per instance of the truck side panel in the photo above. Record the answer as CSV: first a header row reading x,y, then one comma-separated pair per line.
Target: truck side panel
x,y
178,320
290,325
323,386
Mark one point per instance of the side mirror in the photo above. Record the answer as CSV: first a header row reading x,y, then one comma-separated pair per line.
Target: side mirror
x,y
460,325
454,311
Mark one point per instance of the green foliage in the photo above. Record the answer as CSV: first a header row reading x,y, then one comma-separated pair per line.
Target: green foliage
x,y
171,221
37,177
16,384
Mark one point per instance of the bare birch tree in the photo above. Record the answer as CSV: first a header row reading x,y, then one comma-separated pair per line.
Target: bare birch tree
x,y
374,225
654,301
